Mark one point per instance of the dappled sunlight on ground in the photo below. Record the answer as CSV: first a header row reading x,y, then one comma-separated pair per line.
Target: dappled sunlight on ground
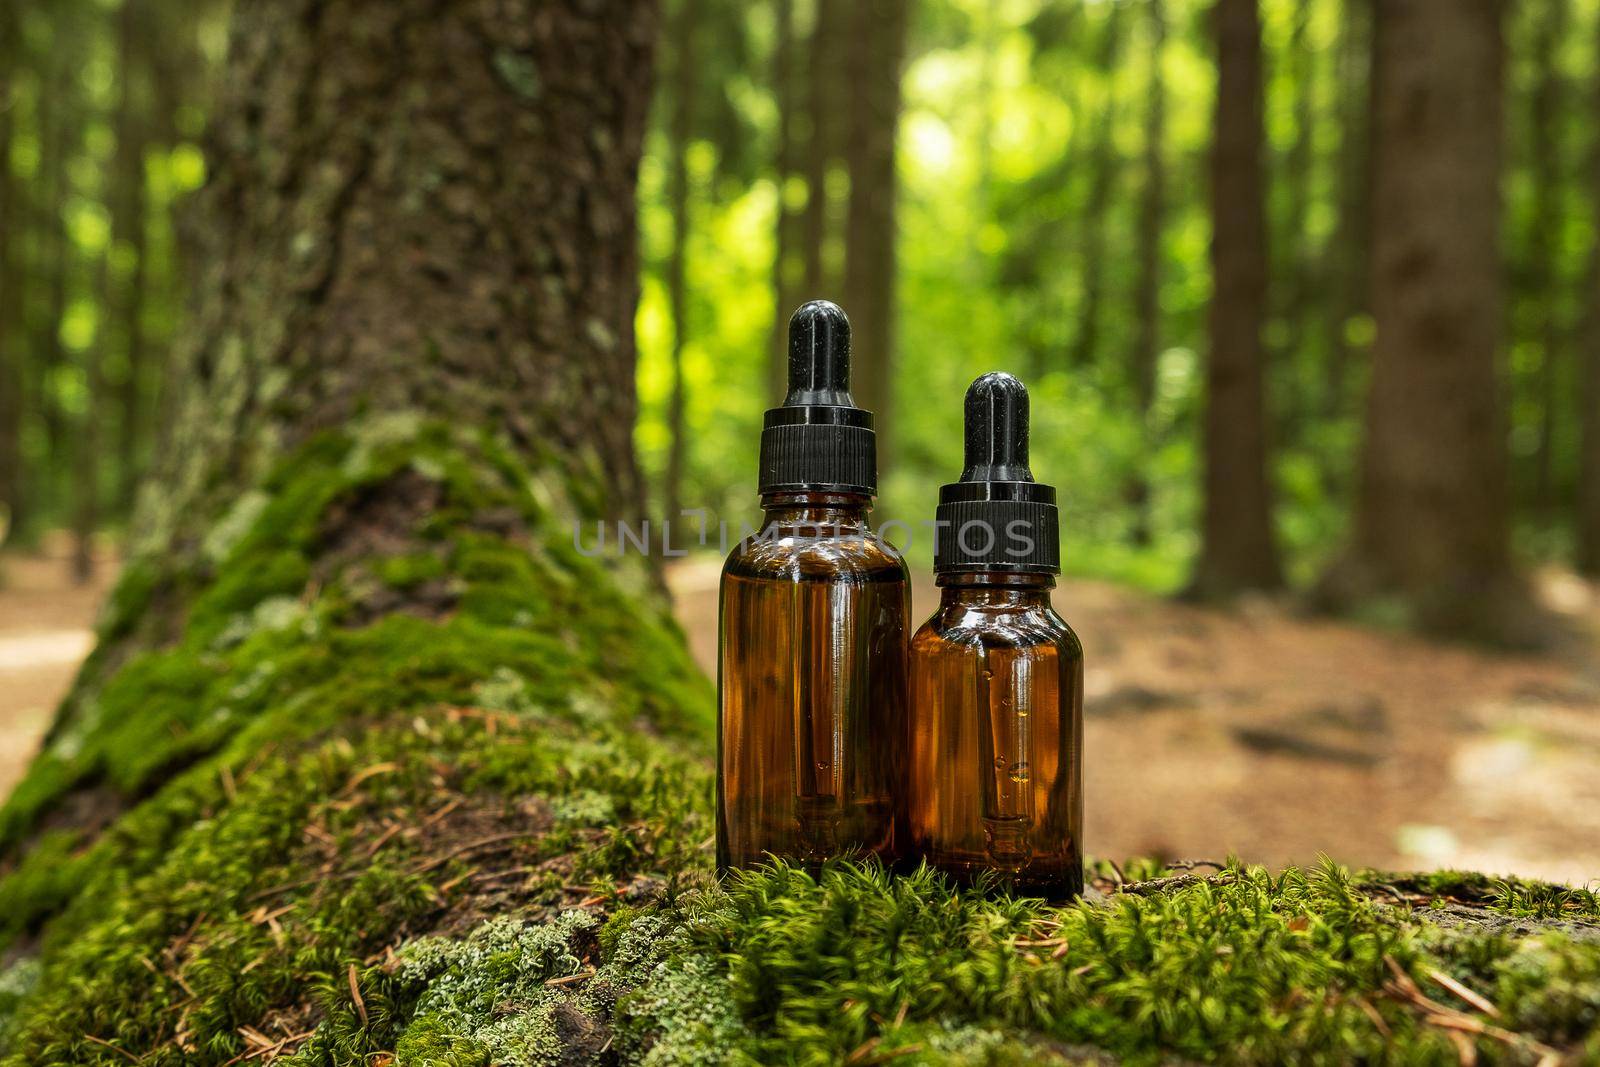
x,y
46,628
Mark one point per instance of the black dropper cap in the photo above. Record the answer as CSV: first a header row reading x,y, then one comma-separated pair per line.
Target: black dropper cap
x,y
997,518
819,441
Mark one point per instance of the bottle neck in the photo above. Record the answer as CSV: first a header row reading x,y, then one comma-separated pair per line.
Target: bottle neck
x,y
996,588
824,510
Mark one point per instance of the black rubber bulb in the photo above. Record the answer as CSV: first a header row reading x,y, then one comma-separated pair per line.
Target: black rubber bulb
x,y
819,356
997,430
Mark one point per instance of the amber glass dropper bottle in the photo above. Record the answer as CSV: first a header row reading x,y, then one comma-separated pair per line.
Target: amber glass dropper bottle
x,y
812,728
997,675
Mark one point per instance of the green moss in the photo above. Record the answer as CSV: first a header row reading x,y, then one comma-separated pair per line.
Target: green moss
x,y
1518,897
408,572
243,664
250,856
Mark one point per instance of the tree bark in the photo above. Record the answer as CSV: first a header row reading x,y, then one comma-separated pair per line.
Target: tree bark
x,y
822,110
129,207
1147,285
1547,148
407,187
13,402
784,220
1238,550
1587,556
1431,525
683,89
877,48
1350,253
1297,254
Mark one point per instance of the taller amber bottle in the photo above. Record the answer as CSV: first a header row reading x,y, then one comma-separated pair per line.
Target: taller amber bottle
x,y
996,785
811,680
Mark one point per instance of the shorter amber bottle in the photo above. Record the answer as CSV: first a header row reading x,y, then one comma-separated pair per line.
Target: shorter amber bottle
x,y
997,675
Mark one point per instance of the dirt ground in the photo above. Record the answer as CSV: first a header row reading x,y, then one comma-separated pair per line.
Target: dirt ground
x,y
46,628
1208,732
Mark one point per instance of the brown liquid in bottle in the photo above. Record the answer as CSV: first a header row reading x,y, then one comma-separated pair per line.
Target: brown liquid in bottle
x,y
997,737
997,741
812,681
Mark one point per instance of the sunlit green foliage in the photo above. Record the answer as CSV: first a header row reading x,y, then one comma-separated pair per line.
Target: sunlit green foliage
x,y
1004,103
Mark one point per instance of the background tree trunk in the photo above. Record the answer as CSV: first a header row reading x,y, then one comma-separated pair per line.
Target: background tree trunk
x,y
877,47
1588,524
1548,108
1296,255
1350,254
1431,513
129,223
13,402
1147,286
822,118
681,128
783,283
54,258
1238,551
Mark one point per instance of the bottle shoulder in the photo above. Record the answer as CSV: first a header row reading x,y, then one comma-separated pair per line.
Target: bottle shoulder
x,y
977,627
847,557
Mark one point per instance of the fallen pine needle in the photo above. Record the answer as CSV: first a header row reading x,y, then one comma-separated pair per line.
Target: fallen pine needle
x,y
1372,1013
1466,994
383,839
370,772
256,1037
442,812
114,1048
355,993
569,979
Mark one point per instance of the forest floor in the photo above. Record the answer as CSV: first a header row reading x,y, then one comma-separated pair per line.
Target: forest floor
x,y
1252,731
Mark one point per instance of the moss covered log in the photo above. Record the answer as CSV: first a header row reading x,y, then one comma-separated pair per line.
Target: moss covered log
x,y
445,800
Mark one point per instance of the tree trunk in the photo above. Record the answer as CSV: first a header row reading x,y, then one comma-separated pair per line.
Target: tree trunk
x,y
1147,285
45,337
1103,168
783,286
1431,512
128,231
13,403
1297,253
1547,147
822,109
1587,556
1350,254
86,449
1238,551
683,89
877,46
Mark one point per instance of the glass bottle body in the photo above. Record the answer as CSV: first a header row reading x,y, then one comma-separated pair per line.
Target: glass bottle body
x,y
996,779
812,659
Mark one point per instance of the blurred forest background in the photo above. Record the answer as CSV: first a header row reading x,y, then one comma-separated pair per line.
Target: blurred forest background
x,y
1018,184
